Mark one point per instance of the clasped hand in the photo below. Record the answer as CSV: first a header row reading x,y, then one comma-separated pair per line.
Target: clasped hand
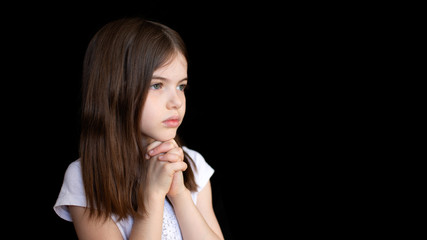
x,y
166,164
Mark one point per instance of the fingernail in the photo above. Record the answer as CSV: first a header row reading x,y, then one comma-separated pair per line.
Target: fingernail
x,y
146,156
151,151
161,157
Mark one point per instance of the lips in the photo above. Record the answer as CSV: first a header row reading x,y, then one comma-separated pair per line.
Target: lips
x,y
172,122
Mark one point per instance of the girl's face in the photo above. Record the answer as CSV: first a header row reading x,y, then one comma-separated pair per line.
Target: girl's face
x,y
164,107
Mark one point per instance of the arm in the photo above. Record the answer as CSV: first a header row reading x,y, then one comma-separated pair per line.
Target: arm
x,y
87,228
204,204
197,221
147,227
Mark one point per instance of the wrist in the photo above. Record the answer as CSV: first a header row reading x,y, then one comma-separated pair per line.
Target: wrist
x,y
182,196
153,201
154,198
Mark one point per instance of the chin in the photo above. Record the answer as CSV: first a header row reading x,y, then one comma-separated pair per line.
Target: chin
x,y
165,137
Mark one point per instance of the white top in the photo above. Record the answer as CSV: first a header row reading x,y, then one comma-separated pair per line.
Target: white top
x,y
72,193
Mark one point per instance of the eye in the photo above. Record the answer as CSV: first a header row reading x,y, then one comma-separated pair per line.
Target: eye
x,y
156,86
182,87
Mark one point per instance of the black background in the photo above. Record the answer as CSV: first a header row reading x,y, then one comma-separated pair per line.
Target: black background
x,y
232,118
262,108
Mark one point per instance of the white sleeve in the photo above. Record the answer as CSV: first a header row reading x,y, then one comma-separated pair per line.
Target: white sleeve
x,y
72,191
202,173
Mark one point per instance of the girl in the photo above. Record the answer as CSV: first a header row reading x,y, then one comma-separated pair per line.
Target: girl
x,y
133,179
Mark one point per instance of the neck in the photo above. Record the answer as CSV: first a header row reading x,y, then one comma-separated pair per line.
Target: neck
x,y
146,140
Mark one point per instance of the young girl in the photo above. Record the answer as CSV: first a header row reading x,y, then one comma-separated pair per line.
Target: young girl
x,y
133,179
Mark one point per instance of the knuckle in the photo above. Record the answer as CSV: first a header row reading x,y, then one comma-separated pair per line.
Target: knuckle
x,y
171,145
166,167
184,166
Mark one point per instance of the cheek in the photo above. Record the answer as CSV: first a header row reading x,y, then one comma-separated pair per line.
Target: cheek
x,y
182,109
184,102
148,114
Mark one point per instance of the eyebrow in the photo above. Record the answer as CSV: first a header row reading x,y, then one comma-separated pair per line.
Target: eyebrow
x,y
166,79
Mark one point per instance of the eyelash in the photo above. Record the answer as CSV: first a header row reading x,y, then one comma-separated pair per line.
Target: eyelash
x,y
157,86
153,86
183,87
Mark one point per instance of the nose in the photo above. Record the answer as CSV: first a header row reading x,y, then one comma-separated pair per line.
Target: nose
x,y
175,100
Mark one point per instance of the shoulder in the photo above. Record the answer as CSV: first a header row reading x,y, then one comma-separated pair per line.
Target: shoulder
x,y
73,174
201,169
198,160
74,167
72,191
196,156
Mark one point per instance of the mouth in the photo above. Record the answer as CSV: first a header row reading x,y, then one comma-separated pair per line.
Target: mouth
x,y
172,122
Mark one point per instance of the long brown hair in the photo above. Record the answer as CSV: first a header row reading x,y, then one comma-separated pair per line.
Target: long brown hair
x,y
117,71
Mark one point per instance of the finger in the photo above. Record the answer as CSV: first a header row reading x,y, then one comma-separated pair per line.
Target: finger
x,y
178,152
152,146
175,155
177,166
162,148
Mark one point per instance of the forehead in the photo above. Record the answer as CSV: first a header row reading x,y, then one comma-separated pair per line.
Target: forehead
x,y
176,66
